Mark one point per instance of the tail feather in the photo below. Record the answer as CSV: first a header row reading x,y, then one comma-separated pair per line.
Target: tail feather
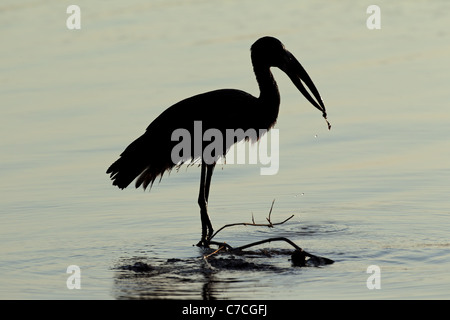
x,y
137,162
148,177
123,173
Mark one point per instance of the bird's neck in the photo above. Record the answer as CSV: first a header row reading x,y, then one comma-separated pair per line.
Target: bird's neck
x,y
269,94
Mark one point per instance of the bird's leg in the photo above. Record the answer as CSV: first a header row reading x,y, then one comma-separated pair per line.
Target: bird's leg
x,y
205,181
203,206
209,173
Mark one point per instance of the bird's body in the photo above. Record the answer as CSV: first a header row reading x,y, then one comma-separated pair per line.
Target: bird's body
x,y
149,156
238,108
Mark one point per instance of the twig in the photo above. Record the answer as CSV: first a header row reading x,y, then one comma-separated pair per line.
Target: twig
x,y
221,244
208,255
270,224
270,212
270,240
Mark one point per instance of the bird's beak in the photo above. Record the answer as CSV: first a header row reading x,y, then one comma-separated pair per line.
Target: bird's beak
x,y
297,74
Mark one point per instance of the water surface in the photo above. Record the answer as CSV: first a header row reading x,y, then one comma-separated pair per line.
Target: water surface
x,y
372,191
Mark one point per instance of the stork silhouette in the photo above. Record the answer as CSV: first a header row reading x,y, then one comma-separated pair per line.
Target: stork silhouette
x,y
149,156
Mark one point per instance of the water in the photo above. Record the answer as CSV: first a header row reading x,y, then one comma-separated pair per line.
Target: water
x,y
372,191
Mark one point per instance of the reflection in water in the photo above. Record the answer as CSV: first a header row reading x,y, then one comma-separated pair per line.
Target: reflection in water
x,y
194,278
141,278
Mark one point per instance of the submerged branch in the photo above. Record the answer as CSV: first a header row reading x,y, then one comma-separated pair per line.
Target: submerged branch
x,y
299,257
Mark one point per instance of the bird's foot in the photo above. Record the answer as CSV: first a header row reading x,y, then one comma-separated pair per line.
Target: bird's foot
x,y
205,240
203,243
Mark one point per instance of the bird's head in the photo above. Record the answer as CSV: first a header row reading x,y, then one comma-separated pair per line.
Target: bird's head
x,y
270,52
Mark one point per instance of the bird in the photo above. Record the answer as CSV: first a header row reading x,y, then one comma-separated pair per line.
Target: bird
x,y
151,155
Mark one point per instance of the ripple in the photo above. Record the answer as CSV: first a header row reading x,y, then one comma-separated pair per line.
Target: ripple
x,y
305,229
